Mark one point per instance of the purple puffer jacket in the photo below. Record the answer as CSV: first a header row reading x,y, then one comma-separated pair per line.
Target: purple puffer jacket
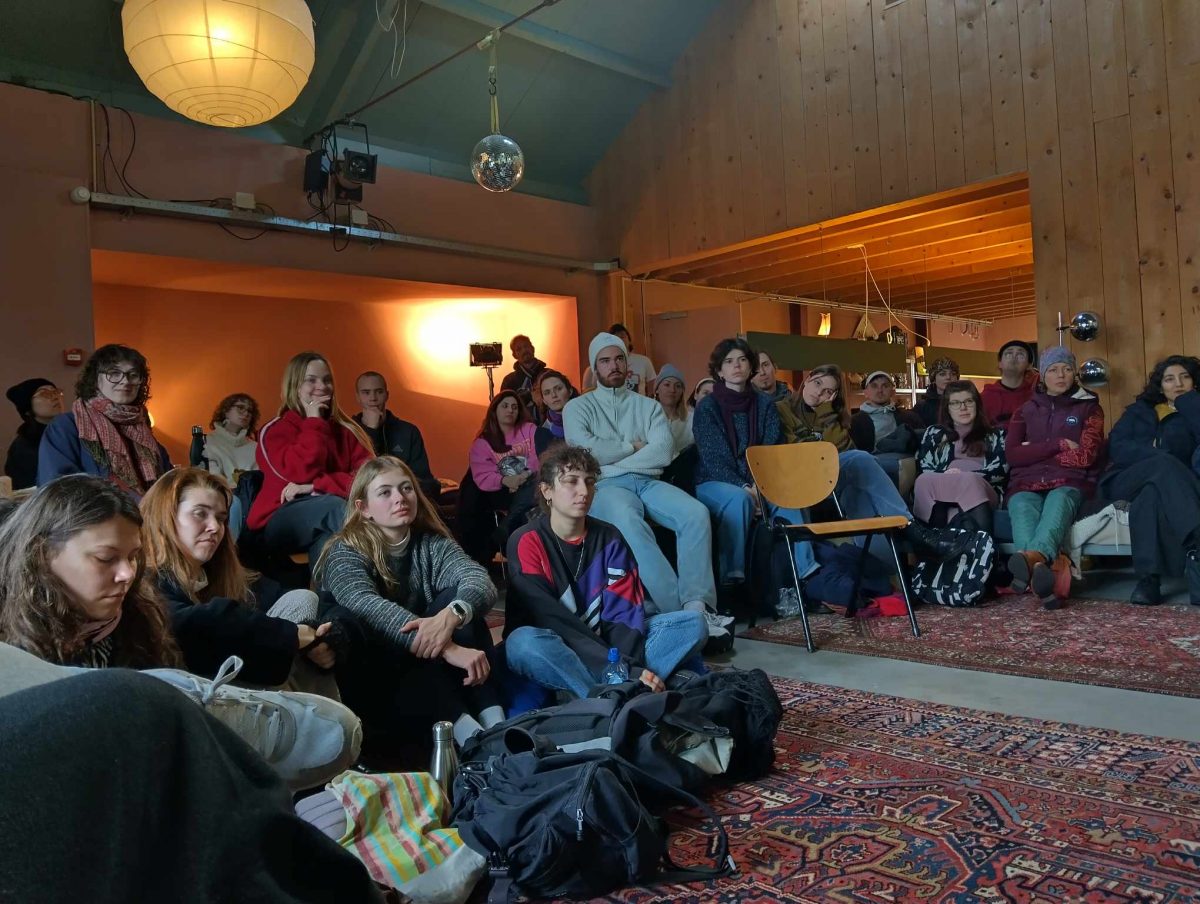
x,y
1038,455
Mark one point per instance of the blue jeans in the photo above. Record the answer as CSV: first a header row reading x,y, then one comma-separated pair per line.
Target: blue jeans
x,y
541,656
626,502
734,510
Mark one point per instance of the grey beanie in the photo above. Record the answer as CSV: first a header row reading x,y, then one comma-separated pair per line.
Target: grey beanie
x,y
670,371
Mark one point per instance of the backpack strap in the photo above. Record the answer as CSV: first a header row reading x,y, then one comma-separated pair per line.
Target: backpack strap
x,y
723,860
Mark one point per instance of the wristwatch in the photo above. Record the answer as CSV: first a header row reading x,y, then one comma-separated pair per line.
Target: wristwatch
x,y
462,610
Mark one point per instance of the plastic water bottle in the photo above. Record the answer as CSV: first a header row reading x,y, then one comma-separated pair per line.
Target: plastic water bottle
x,y
616,672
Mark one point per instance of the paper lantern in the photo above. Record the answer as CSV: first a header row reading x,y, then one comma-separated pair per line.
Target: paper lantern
x,y
229,63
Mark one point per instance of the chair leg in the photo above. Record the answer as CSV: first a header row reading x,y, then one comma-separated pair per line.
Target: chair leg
x,y
862,564
912,616
808,641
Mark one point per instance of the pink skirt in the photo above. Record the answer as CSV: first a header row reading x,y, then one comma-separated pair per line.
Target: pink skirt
x,y
965,489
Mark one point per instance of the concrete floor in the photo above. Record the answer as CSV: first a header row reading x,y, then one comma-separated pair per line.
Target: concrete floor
x,y
1081,704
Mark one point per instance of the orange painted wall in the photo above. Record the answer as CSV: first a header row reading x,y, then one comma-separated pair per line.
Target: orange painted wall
x,y
202,346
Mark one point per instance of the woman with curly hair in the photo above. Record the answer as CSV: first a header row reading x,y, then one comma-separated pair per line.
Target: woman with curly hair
x,y
230,448
107,432
72,584
219,609
1154,449
942,372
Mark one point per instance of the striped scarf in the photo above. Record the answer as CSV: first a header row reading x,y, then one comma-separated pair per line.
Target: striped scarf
x,y
109,432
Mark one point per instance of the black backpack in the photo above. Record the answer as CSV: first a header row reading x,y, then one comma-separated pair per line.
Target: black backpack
x,y
744,702
958,582
571,825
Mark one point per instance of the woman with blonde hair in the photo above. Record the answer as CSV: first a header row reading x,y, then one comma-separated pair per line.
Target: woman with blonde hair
x,y
215,613
308,456
422,601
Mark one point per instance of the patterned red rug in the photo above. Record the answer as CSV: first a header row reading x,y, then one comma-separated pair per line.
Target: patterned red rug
x,y
881,799
1143,648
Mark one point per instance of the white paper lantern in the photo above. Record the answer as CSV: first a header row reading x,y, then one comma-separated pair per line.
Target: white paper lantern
x,y
229,63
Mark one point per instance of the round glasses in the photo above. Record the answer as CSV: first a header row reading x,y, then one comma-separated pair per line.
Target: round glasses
x,y
133,377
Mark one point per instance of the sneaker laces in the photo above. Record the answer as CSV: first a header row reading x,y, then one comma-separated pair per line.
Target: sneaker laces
x,y
255,720
227,672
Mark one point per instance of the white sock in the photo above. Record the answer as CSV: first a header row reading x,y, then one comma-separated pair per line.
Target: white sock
x,y
694,606
493,715
465,727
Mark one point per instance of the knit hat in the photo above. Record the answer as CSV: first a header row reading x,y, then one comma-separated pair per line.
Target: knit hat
x,y
672,372
22,394
603,341
1017,343
1056,354
941,364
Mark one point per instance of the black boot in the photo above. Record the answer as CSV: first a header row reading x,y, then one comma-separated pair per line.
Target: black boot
x,y
1191,571
979,518
940,544
1148,592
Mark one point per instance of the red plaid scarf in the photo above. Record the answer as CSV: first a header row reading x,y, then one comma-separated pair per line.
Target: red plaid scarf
x,y
108,431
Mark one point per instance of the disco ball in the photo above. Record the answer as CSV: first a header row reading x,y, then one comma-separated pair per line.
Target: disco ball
x,y
1085,326
497,163
1093,373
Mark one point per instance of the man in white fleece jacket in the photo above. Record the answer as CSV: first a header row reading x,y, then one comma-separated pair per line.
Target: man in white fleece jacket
x,y
629,435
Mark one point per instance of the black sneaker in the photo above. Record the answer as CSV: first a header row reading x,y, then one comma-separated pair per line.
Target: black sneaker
x,y
1148,591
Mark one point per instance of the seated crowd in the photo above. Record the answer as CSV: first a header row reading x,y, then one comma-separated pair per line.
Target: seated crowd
x,y
625,513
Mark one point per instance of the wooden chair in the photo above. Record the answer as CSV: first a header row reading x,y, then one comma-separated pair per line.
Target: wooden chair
x,y
800,475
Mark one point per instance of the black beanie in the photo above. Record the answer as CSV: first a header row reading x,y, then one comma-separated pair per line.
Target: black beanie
x,y
1019,343
21,395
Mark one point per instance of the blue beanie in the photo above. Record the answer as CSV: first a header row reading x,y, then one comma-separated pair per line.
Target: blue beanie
x,y
1056,354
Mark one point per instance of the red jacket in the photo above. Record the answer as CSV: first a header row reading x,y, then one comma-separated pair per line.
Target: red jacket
x,y
296,449
1038,457
1000,403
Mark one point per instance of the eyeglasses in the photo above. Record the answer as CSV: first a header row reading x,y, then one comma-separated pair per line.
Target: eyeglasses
x,y
133,377
961,403
240,406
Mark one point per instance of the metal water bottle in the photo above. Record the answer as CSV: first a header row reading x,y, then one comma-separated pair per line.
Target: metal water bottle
x,y
196,450
445,761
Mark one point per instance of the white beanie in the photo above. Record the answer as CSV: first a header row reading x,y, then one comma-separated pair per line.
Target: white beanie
x,y
603,341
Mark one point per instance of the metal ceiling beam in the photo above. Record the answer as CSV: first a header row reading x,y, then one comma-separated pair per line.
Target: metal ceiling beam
x,y
554,40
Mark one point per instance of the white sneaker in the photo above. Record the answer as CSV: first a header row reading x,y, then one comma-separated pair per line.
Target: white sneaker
x,y
717,624
308,739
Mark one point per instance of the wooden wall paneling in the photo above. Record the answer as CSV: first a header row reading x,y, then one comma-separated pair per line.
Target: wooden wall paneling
x,y
816,117
1184,90
791,91
1045,176
655,190
868,180
723,122
1181,25
768,98
1081,202
704,189
840,128
918,98
945,94
889,83
683,219
1119,253
1154,188
747,112
1106,53
1008,99
975,90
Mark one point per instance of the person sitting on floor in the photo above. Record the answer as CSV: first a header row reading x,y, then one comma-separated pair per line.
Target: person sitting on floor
x,y
766,381
669,391
553,390
963,468
192,561
702,388
38,402
107,432
74,592
1018,379
942,372
639,376
230,448
499,479
389,435
628,434
1154,449
526,368
1054,446
888,432
817,410
423,601
735,417
308,455
576,592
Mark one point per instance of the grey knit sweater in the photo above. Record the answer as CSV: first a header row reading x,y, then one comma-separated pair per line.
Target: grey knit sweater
x,y
437,564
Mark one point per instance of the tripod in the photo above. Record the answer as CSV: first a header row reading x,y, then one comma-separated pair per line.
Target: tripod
x,y
491,382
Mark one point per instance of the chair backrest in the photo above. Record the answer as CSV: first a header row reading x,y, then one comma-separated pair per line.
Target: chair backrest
x,y
794,475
